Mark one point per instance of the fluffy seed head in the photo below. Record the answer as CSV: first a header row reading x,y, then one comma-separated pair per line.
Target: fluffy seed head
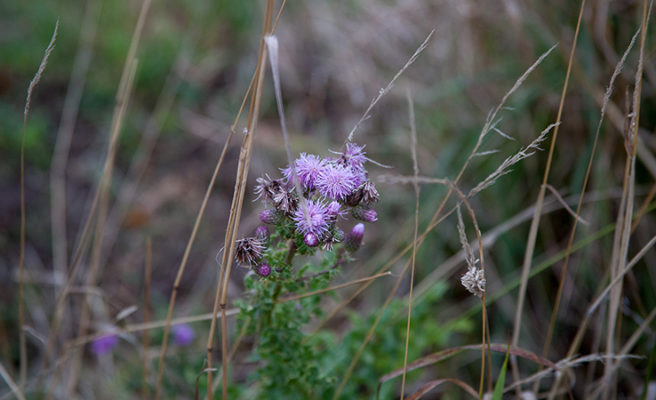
x,y
474,281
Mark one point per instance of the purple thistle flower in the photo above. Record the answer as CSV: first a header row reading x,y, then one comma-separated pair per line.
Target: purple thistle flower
x,y
268,216
354,238
183,334
308,167
336,181
104,344
313,219
263,270
353,156
311,240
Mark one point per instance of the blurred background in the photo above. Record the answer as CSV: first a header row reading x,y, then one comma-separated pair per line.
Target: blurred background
x,y
195,62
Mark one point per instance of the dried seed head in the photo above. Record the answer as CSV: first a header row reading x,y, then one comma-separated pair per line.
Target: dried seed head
x,y
332,238
474,281
249,250
369,192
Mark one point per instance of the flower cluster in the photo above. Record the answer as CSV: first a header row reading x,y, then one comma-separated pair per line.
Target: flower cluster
x,y
306,203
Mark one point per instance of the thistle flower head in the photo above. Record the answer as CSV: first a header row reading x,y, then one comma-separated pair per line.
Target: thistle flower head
x,y
308,167
249,250
337,181
104,344
313,219
183,334
353,156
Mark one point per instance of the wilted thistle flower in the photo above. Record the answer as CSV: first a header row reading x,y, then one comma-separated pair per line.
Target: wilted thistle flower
x,y
104,344
313,219
331,238
474,281
354,238
263,270
308,168
275,191
249,250
183,334
365,214
365,193
337,181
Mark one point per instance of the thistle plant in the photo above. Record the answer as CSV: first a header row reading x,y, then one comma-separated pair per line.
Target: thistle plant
x,y
304,213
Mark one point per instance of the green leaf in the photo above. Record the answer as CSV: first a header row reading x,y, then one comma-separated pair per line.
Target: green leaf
x,y
501,381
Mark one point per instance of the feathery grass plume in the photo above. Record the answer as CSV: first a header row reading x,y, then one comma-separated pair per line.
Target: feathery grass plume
x,y
474,279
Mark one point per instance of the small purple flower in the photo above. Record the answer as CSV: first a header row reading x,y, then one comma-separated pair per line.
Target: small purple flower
x,y
268,216
313,219
104,344
263,270
337,181
311,240
183,334
354,238
308,167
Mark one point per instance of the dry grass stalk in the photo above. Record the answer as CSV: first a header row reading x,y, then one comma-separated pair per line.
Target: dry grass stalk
x,y
235,210
413,257
21,264
65,135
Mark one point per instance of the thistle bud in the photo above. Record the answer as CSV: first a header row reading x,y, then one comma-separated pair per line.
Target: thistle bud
x,y
332,210
311,240
365,214
268,217
354,238
263,270
262,232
